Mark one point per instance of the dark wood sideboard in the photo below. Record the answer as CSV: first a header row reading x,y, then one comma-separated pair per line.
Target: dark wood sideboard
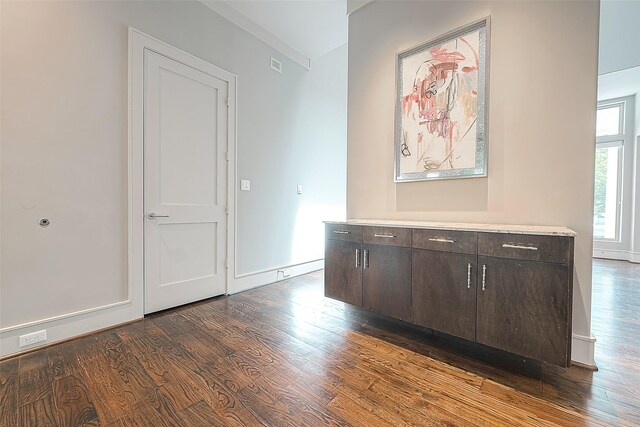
x,y
510,289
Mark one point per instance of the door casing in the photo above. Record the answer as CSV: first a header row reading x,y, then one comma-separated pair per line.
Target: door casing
x,y
138,43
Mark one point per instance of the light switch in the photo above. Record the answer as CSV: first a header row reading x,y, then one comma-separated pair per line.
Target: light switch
x,y
245,185
299,189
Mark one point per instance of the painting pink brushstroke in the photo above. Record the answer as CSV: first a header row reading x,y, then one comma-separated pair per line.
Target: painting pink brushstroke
x,y
439,106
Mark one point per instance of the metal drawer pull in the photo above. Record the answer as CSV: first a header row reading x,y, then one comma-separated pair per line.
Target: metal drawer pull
x,y
469,276
508,245
442,240
387,236
340,232
357,258
484,277
366,258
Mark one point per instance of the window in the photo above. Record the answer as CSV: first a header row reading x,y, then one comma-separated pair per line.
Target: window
x,y
608,172
608,121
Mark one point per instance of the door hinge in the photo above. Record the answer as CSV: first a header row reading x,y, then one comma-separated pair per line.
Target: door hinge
x,y
226,211
226,264
227,102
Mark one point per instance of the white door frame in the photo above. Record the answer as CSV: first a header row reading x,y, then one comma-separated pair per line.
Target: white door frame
x,y
138,43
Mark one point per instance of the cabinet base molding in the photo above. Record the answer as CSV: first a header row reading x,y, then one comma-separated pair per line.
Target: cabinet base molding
x,y
593,368
583,351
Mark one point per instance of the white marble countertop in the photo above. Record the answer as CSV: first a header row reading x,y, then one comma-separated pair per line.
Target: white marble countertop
x,y
544,230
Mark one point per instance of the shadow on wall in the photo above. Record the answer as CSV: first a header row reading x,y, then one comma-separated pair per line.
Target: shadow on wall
x,y
469,195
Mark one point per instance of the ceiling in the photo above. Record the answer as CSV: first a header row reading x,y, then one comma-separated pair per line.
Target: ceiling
x,y
301,29
312,27
619,84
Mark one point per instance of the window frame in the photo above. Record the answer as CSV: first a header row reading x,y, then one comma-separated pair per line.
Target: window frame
x,y
621,121
610,141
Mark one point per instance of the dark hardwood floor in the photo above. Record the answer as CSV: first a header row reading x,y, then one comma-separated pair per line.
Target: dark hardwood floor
x,y
283,355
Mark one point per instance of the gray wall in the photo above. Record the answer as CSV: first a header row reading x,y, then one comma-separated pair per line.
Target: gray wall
x,y
307,147
543,73
64,147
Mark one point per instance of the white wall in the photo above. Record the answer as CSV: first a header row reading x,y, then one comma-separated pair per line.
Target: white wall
x,y
64,155
618,35
542,103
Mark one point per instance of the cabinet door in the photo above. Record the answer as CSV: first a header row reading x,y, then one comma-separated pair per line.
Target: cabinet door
x,y
343,271
523,308
386,284
444,292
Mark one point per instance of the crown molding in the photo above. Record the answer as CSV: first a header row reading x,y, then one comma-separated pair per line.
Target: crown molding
x,y
223,9
354,6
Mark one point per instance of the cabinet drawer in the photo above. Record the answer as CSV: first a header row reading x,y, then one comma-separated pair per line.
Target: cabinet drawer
x,y
390,236
446,240
351,233
556,249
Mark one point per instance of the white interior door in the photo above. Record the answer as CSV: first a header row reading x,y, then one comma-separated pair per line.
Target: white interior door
x,y
185,182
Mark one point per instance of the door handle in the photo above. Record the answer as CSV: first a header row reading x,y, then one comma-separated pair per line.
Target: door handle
x,y
484,277
441,240
366,258
512,246
357,258
468,275
154,216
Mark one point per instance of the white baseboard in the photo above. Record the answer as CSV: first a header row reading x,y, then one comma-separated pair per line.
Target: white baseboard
x,y
583,350
66,326
617,255
69,325
253,280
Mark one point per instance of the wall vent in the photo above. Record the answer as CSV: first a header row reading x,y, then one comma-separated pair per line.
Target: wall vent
x,y
276,65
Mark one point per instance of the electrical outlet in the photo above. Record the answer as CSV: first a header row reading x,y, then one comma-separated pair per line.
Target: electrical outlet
x,y
299,189
245,185
33,338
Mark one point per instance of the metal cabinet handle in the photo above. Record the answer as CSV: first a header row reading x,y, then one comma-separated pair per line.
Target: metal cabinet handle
x,y
366,258
357,258
512,246
442,240
469,276
387,236
484,277
154,216
340,232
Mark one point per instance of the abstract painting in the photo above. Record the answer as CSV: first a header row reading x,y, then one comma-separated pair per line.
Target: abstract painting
x,y
441,109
